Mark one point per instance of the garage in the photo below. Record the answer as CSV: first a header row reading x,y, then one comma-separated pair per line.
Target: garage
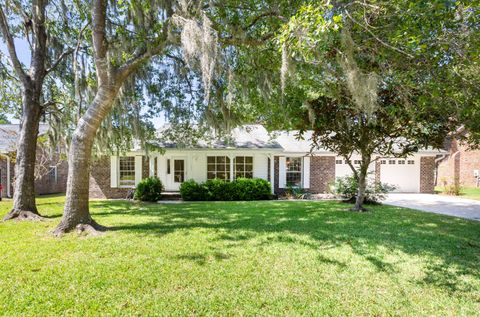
x,y
402,173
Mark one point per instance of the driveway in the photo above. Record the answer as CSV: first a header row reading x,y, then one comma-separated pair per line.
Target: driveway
x,y
439,204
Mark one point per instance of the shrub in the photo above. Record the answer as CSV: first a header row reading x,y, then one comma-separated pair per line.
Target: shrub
x,y
454,188
216,189
347,188
193,191
149,189
296,193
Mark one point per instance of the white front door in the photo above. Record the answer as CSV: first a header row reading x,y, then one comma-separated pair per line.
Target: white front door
x,y
176,172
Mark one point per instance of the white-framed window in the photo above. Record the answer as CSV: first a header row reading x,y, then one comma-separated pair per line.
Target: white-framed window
x,y
126,171
392,162
52,174
383,162
243,166
218,167
338,161
401,162
294,171
411,162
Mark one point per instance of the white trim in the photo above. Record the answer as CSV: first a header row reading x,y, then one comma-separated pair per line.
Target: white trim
x,y
306,172
138,169
272,173
8,177
151,166
282,169
114,166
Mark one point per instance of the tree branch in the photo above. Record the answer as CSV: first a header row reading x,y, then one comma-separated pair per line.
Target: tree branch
x,y
377,38
59,59
11,46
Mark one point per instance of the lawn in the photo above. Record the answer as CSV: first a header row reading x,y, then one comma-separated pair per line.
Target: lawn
x,y
465,192
242,258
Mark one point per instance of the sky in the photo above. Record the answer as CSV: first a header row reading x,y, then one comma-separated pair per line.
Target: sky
x,y
23,53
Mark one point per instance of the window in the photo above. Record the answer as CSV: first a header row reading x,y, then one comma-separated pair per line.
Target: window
x,y
411,162
52,174
294,171
218,167
401,162
168,166
391,162
383,162
338,162
178,171
243,166
127,171
357,162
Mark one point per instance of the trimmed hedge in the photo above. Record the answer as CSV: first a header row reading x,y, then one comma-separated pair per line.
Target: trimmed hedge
x,y
216,189
149,189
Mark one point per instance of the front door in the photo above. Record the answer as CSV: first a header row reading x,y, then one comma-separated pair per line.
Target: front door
x,y
177,175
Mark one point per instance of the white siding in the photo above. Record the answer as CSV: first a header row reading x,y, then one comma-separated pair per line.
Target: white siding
x,y
306,172
114,171
282,177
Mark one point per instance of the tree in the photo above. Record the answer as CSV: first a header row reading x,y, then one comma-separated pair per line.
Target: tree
x,y
371,80
136,33
47,52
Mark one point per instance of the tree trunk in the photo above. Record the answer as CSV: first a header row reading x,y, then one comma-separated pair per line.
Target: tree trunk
x,y
362,186
76,213
24,206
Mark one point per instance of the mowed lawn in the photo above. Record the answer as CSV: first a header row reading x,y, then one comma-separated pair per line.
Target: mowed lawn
x,y
242,258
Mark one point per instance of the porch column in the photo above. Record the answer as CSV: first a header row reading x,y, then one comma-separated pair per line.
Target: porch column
x,y
272,173
8,176
231,167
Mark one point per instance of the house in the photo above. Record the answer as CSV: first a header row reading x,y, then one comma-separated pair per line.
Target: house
x,y
278,157
461,164
50,170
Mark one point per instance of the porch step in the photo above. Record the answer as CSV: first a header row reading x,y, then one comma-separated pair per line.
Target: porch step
x,y
171,195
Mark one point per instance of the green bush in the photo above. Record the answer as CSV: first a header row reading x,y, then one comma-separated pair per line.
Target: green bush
x,y
347,188
149,189
193,191
216,189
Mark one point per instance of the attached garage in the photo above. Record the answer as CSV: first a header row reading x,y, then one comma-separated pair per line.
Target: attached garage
x,y
404,174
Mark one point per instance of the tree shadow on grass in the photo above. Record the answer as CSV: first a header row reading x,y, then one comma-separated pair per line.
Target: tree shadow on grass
x,y
451,243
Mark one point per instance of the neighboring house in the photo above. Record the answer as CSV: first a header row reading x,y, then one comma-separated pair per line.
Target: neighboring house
x,y
278,157
51,172
461,164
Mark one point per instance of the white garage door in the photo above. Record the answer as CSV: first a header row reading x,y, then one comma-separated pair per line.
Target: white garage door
x,y
403,173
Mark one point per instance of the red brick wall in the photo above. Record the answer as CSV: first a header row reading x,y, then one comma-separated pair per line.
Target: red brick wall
x,y
100,179
427,174
460,163
322,173
48,185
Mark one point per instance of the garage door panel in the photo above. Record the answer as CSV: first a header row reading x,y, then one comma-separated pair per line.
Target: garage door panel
x,y
403,174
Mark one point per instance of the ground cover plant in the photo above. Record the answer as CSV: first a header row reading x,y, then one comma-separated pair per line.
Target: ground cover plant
x,y
241,258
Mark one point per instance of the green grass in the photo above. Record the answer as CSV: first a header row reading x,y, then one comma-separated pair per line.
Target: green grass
x,y
242,258
465,192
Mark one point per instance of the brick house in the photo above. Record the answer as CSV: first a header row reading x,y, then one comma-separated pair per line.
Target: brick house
x,y
252,152
461,164
51,170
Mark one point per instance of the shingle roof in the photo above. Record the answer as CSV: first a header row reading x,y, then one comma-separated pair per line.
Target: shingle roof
x,y
9,136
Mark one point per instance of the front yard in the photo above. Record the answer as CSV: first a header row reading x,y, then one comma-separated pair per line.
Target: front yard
x,y
242,258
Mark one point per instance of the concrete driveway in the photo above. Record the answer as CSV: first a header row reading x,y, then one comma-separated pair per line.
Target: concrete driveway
x,y
439,204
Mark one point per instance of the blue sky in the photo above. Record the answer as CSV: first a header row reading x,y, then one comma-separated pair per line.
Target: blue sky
x,y
23,52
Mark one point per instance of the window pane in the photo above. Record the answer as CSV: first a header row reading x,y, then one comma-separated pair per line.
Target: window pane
x,y
179,171
210,175
220,159
239,159
249,159
127,171
248,168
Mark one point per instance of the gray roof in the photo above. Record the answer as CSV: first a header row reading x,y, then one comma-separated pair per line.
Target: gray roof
x,y
9,136
253,136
